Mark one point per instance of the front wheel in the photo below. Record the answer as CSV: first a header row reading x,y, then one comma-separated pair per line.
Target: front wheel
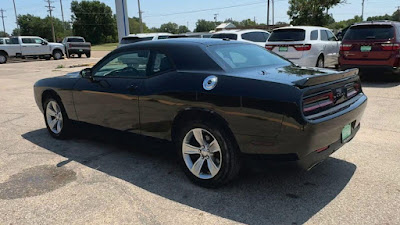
x,y
57,54
208,154
56,119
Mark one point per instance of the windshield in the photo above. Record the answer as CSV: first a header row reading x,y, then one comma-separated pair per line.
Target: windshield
x,y
288,35
381,32
129,40
225,35
245,56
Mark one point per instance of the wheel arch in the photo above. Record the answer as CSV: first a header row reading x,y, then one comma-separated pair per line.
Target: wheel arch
x,y
3,51
50,93
207,114
57,49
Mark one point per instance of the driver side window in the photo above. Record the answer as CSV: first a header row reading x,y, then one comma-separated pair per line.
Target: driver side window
x,y
130,64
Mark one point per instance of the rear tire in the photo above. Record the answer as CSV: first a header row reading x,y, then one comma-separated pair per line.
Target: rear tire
x,y
56,119
320,62
3,57
79,55
87,55
210,164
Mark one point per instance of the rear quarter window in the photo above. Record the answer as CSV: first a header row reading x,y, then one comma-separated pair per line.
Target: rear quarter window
x,y
314,35
288,35
370,32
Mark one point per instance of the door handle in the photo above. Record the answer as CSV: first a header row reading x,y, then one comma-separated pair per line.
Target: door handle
x,y
132,87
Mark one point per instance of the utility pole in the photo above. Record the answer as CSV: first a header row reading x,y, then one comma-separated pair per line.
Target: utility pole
x,y
273,12
362,10
16,18
2,17
62,14
216,17
140,17
50,9
268,12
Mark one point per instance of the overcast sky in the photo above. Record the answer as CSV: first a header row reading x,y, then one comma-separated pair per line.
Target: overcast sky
x,y
155,10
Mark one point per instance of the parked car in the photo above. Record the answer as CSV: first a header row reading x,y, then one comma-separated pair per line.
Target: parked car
x,y
133,38
217,100
258,37
191,35
305,45
372,45
76,46
30,46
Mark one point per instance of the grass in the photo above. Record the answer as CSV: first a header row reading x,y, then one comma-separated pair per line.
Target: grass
x,y
60,66
105,47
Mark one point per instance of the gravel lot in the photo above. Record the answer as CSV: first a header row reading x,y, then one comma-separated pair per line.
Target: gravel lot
x,y
125,179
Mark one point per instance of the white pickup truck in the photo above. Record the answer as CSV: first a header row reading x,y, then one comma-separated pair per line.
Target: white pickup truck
x,y
29,46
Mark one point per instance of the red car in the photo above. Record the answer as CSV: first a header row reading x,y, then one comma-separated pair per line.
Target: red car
x,y
372,45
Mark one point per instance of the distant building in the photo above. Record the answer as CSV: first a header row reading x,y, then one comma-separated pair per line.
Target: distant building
x,y
225,26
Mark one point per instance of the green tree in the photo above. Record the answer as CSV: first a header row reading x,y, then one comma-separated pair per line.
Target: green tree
x,y
134,26
169,28
205,26
4,34
311,12
384,17
15,32
247,23
94,21
36,26
344,23
183,29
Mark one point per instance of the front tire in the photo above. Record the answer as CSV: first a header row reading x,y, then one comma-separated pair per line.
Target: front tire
x,y
209,155
57,122
57,54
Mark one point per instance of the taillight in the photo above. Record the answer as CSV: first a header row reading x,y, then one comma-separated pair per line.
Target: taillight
x,y
345,47
269,47
390,47
353,90
317,102
305,47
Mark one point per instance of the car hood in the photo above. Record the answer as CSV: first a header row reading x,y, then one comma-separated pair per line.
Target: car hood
x,y
292,75
55,44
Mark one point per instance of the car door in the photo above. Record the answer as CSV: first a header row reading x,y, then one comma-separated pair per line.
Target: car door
x,y
28,46
41,46
110,98
326,47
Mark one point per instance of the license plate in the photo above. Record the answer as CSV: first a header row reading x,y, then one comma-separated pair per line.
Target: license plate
x,y
366,48
81,50
346,132
283,49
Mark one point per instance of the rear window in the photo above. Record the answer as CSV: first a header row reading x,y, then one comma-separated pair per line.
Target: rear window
x,y
245,56
364,32
225,35
76,40
288,35
129,40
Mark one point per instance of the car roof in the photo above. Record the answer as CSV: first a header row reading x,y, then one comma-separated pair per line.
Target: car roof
x,y
238,31
376,22
140,35
308,28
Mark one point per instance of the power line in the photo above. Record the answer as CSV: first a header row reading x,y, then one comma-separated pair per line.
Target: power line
x,y
50,9
204,10
2,17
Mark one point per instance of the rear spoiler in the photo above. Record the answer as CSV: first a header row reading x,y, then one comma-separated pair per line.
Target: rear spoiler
x,y
325,78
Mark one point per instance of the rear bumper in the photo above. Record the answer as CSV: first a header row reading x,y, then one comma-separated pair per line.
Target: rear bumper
x,y
384,68
307,61
77,51
300,143
391,65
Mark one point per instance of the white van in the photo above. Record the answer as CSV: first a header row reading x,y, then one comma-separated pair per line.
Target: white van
x,y
133,38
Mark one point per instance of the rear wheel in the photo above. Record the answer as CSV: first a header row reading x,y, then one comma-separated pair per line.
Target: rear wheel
x,y
79,55
3,57
56,119
57,54
208,154
321,62
87,55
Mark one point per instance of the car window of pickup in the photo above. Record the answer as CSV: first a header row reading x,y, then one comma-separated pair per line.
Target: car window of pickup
x,y
130,64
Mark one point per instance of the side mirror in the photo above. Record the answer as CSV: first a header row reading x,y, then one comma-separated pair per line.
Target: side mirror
x,y
44,43
86,73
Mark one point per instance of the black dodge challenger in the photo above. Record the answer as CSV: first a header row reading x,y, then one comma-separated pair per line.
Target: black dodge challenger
x,y
218,100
